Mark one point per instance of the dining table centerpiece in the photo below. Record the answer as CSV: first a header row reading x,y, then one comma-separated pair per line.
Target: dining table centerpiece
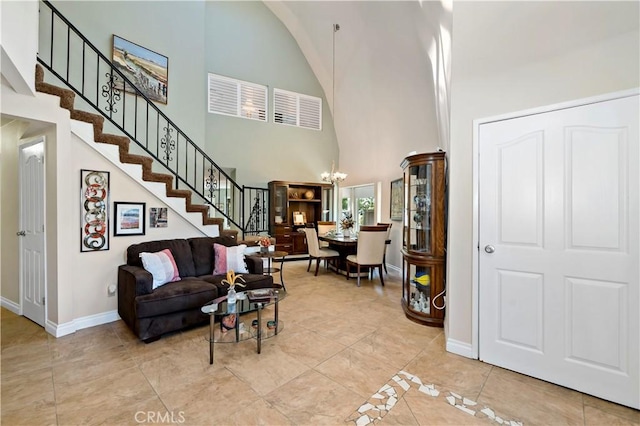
x,y
347,223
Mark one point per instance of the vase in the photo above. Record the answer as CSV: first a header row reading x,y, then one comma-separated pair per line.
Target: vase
x,y
231,300
264,250
346,232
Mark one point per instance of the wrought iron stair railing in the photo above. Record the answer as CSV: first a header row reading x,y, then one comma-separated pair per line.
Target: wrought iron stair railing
x,y
103,86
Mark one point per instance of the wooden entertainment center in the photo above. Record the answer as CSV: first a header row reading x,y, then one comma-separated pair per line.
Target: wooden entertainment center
x,y
292,205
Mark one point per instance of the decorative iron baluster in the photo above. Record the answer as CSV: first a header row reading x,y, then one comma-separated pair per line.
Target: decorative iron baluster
x,y
210,183
111,92
167,144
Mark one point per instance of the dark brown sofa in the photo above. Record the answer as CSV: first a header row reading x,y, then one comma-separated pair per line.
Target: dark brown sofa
x,y
176,305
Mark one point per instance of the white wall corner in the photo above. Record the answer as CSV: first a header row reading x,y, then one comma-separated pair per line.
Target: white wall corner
x,y
11,305
461,348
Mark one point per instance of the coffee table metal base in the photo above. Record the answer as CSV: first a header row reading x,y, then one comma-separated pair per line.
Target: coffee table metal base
x,y
258,333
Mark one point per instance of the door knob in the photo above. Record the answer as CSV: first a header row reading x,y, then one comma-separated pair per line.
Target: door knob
x,y
21,233
489,249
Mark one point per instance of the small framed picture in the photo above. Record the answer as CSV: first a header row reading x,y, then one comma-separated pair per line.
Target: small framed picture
x,y
158,217
299,218
128,219
397,199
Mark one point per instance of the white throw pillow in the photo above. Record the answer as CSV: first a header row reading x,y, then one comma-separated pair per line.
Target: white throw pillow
x,y
162,266
229,258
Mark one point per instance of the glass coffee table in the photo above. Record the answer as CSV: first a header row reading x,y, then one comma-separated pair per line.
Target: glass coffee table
x,y
247,301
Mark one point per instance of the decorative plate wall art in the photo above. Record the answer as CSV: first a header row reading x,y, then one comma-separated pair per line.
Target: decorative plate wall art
x,y
94,210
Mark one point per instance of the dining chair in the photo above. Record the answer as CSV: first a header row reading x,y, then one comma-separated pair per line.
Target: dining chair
x,y
387,242
323,228
370,250
315,252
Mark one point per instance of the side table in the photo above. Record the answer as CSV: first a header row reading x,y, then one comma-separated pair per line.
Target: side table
x,y
277,254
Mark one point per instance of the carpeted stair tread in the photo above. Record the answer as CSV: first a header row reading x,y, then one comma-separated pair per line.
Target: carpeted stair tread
x,y
136,159
96,120
67,99
180,193
213,221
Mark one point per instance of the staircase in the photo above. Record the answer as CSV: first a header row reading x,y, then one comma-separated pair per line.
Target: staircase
x,y
164,152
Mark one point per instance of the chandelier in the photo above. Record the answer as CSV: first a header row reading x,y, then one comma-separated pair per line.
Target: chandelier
x,y
333,177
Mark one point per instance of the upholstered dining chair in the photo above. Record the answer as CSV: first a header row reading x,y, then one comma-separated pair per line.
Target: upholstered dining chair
x,y
315,252
370,250
387,242
323,228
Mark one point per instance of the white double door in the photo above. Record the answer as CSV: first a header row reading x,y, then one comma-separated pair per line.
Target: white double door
x,y
558,247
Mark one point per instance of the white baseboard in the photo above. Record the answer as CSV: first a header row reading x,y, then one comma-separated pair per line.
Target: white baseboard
x,y
395,269
59,330
10,305
460,348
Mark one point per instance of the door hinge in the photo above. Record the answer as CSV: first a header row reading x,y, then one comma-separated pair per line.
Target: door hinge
x,y
43,301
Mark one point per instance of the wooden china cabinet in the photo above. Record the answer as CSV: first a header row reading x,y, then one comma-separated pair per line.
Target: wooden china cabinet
x,y
310,202
424,238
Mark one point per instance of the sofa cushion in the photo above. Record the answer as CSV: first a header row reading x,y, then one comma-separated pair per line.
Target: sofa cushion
x,y
189,293
180,249
203,254
161,266
229,258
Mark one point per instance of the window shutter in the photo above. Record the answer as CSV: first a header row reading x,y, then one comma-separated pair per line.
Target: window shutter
x,y
311,112
295,109
237,98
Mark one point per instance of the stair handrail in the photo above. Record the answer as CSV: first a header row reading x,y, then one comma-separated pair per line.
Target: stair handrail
x,y
113,93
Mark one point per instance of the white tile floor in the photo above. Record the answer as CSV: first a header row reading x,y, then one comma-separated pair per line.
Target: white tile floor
x,y
345,352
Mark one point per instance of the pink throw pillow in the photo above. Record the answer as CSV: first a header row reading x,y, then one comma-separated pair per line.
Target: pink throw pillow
x,y
229,258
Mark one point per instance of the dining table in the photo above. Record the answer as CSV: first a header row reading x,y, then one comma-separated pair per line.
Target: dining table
x,y
344,246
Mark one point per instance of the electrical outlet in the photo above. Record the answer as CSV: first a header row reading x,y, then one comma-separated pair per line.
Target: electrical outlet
x,y
111,290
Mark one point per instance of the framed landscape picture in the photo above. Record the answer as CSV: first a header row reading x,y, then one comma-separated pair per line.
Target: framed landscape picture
x,y
147,70
128,218
397,199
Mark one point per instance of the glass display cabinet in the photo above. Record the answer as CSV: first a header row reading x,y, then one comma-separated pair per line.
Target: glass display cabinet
x,y
424,238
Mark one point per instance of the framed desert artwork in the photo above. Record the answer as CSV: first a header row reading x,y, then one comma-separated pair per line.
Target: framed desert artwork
x,y
146,69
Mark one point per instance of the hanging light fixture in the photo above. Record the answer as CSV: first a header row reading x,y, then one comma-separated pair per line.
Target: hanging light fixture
x,y
333,177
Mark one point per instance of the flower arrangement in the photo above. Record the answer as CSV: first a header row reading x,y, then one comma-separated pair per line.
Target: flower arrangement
x,y
347,221
231,279
264,241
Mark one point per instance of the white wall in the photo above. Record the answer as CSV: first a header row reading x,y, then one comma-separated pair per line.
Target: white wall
x,y
19,17
595,68
10,134
244,40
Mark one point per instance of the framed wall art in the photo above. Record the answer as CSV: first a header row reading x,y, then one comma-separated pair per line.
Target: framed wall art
x,y
128,218
158,217
94,210
147,70
397,199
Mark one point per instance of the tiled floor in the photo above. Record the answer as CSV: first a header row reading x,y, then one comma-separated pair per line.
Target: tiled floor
x,y
340,346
